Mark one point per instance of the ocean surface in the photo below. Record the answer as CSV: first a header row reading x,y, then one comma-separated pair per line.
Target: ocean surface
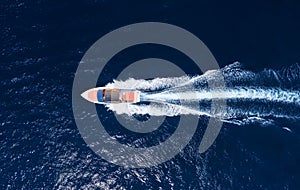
x,y
256,44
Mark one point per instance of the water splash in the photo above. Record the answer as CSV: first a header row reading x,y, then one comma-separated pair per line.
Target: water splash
x,y
250,96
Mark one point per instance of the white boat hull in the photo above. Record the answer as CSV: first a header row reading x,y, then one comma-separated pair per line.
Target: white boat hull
x,y
103,95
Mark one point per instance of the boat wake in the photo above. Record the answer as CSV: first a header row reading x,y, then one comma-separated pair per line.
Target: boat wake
x,y
249,96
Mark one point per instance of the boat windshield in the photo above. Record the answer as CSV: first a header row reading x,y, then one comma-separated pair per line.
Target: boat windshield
x,y
111,95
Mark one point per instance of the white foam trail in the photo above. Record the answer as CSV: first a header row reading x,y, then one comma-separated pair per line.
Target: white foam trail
x,y
250,96
274,95
163,103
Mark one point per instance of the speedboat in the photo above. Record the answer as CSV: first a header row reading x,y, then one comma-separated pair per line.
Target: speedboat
x,y
104,95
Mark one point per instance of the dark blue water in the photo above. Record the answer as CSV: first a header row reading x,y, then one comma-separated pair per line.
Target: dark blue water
x,y
41,45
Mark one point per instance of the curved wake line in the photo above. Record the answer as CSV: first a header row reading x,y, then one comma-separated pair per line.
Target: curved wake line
x,y
144,85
